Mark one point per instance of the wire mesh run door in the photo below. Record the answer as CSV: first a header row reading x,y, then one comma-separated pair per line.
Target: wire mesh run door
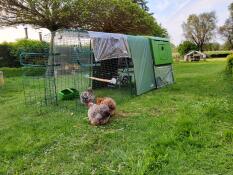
x,y
73,65
114,78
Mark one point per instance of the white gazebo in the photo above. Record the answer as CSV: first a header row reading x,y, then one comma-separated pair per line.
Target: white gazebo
x,y
194,56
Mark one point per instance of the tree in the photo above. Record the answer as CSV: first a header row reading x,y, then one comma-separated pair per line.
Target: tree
x,y
231,9
136,21
227,29
50,14
200,28
142,4
226,46
102,15
186,47
212,46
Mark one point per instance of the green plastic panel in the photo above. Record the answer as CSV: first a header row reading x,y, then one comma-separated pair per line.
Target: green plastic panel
x,y
143,63
162,52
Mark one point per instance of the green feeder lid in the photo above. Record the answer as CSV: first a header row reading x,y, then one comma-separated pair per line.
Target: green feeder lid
x,y
68,94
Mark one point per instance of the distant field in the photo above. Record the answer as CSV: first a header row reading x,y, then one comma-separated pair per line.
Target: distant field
x,y
186,128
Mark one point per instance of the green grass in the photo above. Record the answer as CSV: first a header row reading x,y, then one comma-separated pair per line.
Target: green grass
x,y
11,72
186,128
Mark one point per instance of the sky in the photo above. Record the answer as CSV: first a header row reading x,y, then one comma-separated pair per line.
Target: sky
x,y
169,13
172,13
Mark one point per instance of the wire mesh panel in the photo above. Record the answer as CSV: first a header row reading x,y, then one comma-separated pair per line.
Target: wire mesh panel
x,y
34,90
34,82
119,74
60,77
75,58
164,75
72,63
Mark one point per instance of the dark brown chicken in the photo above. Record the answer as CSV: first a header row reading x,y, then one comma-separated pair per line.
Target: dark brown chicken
x,y
109,102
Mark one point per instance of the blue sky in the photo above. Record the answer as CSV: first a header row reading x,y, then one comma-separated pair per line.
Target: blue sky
x,y
170,13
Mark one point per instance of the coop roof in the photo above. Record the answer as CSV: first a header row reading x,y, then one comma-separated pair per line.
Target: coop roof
x,y
158,38
195,52
109,45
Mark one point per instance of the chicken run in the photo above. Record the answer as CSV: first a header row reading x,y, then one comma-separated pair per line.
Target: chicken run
x,y
113,65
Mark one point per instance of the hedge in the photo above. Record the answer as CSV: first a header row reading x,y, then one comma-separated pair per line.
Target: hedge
x,y
31,46
10,52
229,67
6,58
218,54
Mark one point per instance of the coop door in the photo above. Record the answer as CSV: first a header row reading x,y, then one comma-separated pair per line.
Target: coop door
x,y
162,53
143,63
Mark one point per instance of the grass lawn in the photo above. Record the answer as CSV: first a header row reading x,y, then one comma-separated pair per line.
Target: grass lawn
x,y
186,128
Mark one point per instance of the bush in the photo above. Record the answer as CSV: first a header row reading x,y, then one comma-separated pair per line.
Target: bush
x,y
218,54
31,46
229,67
10,52
186,47
6,58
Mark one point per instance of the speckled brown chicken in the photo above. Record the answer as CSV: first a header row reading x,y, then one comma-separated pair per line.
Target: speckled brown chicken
x,y
98,114
109,102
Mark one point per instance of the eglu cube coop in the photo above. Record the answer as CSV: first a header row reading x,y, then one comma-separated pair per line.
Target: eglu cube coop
x,y
115,65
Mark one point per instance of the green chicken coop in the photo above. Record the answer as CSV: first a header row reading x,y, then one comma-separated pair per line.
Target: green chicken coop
x,y
112,64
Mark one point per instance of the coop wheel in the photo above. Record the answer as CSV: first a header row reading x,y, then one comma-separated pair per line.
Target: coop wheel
x,y
125,80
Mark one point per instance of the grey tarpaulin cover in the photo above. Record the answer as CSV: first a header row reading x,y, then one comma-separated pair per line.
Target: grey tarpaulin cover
x,y
164,75
143,63
109,45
